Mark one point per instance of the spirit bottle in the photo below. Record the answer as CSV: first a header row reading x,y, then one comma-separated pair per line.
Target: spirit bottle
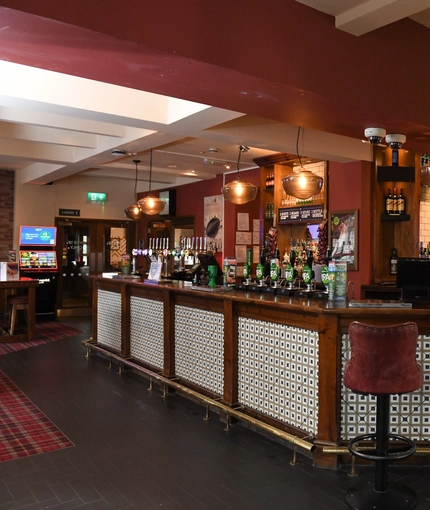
x,y
389,202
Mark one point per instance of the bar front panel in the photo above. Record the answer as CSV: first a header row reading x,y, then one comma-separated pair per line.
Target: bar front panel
x,y
199,347
147,331
109,323
278,372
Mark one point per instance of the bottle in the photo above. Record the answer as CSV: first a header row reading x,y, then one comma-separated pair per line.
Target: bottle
x,y
389,202
401,202
395,202
422,250
393,262
395,157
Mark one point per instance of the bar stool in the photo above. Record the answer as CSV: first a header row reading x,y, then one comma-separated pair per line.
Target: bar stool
x,y
383,363
15,303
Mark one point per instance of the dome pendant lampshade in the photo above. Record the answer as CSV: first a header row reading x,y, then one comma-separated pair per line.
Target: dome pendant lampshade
x,y
133,212
425,176
238,191
150,204
302,183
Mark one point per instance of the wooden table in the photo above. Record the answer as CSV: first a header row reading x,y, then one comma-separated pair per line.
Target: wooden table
x,y
23,283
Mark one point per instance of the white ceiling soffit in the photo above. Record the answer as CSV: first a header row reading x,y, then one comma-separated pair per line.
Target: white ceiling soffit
x,y
54,126
359,17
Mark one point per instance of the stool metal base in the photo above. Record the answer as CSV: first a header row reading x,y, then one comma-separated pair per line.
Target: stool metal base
x,y
364,497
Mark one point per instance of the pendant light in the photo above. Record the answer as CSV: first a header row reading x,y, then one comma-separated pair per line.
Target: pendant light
x,y
150,204
133,212
302,183
238,191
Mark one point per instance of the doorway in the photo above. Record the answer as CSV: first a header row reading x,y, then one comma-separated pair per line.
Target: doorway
x,y
86,248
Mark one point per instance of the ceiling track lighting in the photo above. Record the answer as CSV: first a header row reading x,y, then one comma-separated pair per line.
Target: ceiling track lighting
x,y
239,192
302,183
133,212
150,205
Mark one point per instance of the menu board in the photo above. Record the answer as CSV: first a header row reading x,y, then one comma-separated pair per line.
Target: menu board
x,y
300,214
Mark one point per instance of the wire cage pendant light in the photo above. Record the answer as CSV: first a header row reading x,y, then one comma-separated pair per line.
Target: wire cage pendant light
x,y
302,183
133,212
150,205
239,191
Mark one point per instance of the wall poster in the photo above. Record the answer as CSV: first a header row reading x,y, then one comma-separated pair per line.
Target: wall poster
x,y
344,237
213,222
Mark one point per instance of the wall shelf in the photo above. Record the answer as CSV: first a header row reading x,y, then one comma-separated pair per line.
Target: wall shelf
x,y
396,174
395,217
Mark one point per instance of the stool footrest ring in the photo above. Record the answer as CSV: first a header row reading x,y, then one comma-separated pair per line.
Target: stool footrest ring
x,y
395,455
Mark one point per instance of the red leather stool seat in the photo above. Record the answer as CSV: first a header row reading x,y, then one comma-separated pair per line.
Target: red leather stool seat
x,y
383,359
382,363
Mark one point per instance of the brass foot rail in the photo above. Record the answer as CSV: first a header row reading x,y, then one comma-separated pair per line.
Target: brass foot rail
x,y
230,411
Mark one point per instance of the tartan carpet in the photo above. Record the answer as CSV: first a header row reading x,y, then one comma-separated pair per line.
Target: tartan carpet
x,y
24,429
49,331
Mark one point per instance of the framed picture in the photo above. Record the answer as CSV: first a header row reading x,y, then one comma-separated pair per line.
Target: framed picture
x,y
344,237
169,199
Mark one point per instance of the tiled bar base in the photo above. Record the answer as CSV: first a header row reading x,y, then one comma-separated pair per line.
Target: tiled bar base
x,y
278,360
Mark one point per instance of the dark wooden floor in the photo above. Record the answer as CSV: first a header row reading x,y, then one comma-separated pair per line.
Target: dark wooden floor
x,y
134,449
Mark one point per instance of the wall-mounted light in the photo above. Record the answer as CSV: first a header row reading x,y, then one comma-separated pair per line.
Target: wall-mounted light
x,y
238,191
302,183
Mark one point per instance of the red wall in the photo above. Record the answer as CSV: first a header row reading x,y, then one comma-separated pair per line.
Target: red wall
x,y
350,188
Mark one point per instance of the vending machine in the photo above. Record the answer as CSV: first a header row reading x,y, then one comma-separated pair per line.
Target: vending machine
x,y
38,260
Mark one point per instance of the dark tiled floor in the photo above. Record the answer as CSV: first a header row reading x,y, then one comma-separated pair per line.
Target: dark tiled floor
x,y
135,450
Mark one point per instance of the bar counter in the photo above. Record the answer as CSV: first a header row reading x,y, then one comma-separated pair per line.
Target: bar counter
x,y
274,361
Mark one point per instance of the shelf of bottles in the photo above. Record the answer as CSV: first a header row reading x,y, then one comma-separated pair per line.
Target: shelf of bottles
x,y
395,206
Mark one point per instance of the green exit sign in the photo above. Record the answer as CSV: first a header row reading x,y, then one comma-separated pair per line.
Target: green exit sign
x,y
96,197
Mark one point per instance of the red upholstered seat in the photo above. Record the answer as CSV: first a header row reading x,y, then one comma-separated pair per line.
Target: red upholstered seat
x,y
383,359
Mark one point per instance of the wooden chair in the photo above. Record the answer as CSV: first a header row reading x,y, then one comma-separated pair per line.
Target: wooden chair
x,y
15,303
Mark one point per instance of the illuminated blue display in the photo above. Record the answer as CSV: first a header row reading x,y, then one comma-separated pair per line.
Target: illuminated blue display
x,y
37,236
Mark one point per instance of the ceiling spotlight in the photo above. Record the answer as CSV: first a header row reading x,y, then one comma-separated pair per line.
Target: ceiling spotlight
x,y
212,150
395,141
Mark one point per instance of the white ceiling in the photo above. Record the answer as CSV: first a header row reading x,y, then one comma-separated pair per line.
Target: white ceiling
x,y
358,17
53,126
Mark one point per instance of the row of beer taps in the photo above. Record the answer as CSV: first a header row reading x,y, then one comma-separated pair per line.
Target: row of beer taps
x,y
159,250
